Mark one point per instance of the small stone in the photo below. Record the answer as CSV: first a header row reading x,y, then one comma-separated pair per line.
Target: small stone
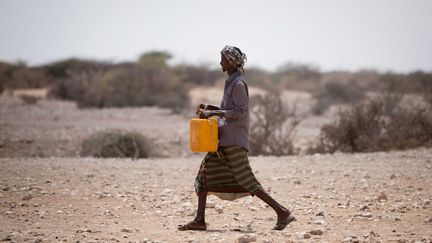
x,y
6,238
25,195
382,197
364,208
210,204
392,176
125,230
347,239
319,222
316,232
246,239
320,213
270,218
219,210
252,208
428,221
307,235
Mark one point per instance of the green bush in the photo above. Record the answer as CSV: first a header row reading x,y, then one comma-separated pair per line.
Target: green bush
x,y
117,144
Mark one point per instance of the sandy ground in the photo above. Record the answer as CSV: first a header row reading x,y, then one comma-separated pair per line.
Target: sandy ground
x,y
109,200
57,128
49,194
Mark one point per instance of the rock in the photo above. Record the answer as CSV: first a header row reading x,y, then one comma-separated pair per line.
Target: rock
x,y
210,204
364,208
307,236
270,218
316,232
320,213
252,208
246,239
363,215
428,221
166,192
125,230
26,195
6,238
382,197
319,222
392,176
219,210
347,239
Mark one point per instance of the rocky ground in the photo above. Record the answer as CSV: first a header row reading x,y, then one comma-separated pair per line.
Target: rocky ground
x,y
54,128
376,197
49,194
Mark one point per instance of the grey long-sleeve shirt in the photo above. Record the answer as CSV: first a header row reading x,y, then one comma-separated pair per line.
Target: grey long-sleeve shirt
x,y
235,106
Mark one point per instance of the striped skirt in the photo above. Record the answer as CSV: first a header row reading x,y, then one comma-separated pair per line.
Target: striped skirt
x,y
227,171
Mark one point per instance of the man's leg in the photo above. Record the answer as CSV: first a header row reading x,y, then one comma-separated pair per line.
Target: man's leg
x,y
199,222
202,199
284,215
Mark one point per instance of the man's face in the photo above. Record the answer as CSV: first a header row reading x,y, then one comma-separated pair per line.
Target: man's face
x,y
225,64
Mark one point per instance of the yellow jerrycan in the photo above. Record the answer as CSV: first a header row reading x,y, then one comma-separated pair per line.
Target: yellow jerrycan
x,y
204,135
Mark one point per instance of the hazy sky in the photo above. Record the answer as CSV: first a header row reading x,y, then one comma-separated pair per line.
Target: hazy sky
x,y
338,34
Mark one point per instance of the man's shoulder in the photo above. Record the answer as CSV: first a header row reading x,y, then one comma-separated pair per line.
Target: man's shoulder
x,y
240,84
240,81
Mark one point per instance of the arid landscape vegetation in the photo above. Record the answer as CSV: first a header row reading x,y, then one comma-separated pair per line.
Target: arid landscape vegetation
x,y
93,151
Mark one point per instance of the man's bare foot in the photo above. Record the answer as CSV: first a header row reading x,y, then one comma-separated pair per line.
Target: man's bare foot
x,y
192,225
284,219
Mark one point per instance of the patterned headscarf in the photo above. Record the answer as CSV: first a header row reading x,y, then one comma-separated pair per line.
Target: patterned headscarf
x,y
235,57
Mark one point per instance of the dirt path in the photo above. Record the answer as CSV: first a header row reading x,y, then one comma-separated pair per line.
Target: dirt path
x,y
109,200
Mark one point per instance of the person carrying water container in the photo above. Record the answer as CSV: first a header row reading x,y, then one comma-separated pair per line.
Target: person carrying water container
x,y
227,173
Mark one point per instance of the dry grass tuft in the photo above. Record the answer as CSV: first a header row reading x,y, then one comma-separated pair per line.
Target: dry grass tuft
x,y
117,144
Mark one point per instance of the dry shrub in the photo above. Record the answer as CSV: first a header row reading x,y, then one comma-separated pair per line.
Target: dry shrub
x,y
357,129
377,125
29,100
335,92
19,76
132,85
117,144
272,126
297,76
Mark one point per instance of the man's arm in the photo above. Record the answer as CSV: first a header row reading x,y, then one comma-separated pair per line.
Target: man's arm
x,y
241,100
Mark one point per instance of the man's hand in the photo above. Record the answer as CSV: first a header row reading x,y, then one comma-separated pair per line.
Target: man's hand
x,y
200,109
207,114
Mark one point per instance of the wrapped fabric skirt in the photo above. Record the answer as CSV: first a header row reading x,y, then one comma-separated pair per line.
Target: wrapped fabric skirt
x,y
227,174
